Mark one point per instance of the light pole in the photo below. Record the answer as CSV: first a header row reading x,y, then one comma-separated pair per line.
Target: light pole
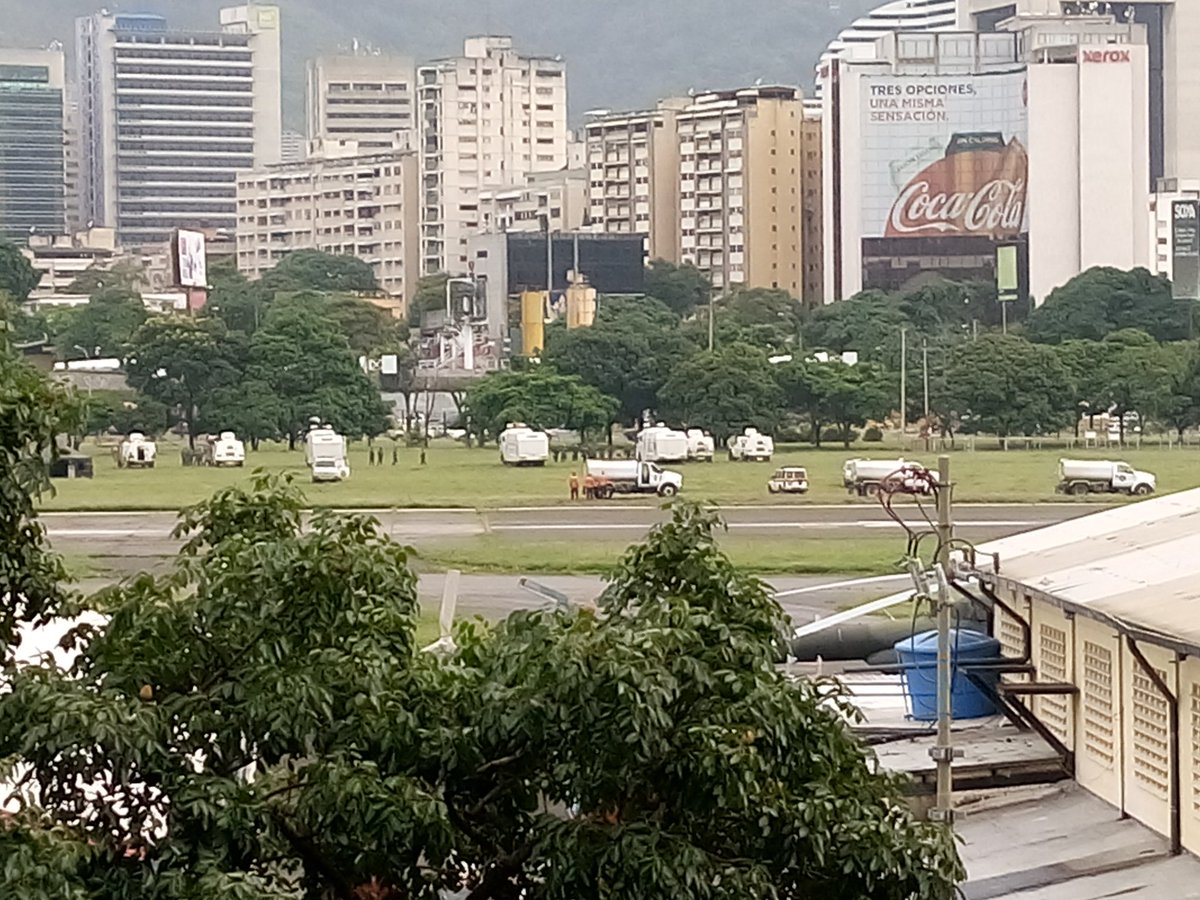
x,y
925,375
903,381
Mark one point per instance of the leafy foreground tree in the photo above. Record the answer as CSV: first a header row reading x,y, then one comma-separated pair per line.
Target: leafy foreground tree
x,y
258,724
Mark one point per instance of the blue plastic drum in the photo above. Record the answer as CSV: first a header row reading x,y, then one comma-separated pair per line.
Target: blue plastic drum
x,y
919,654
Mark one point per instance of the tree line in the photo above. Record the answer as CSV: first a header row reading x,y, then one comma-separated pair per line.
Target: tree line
x,y
1106,342
261,359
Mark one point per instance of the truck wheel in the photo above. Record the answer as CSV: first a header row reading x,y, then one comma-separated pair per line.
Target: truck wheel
x,y
1142,490
668,490
1079,488
870,490
772,489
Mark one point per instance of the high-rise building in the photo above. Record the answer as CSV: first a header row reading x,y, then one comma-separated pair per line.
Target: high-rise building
x,y
293,147
366,98
340,200
1172,30
168,117
489,117
948,146
812,225
741,159
633,166
32,169
544,201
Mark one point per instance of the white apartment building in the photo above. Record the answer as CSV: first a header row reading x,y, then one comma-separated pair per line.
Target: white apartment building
x,y
488,118
741,187
338,200
168,117
633,175
858,39
369,98
545,201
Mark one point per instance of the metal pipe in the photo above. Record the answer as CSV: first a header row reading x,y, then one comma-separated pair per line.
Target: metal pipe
x,y
1173,738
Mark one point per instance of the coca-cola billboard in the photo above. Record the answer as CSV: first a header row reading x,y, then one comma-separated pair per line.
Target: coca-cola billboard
x,y
944,174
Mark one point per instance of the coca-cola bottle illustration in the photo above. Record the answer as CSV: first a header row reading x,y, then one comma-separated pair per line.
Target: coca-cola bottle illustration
x,y
977,189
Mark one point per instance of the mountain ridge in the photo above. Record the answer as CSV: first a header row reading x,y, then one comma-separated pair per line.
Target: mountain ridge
x,y
620,53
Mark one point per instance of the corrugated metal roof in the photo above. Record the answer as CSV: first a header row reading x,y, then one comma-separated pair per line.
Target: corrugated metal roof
x,y
1139,564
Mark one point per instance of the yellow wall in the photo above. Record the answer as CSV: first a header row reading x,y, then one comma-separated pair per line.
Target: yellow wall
x,y
773,198
1189,752
1144,725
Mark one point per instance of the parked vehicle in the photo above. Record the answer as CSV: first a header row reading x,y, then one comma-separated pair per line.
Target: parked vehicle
x,y
700,445
627,476
1101,476
226,450
789,480
521,445
865,476
751,446
325,453
658,443
136,452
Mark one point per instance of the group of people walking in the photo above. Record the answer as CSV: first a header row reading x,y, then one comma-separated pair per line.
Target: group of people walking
x,y
591,486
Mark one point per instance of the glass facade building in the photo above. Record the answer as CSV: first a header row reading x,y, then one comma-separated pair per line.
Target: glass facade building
x,y
31,143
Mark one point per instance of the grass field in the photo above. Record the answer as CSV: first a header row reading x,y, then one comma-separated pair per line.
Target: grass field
x,y
459,477
762,556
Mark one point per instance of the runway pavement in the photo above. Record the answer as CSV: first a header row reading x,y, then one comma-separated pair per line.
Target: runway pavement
x,y
148,533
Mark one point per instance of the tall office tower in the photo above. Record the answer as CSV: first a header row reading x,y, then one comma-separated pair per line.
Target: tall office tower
x,y
488,118
633,166
365,98
740,187
1172,35
168,117
31,143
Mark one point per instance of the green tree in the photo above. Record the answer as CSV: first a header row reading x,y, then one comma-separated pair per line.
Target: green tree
x,y
238,302
128,275
835,393
315,270
724,391
305,361
33,412
539,397
182,363
650,750
18,277
868,323
1102,300
764,317
1135,375
628,354
1178,404
104,327
367,328
1005,385
682,289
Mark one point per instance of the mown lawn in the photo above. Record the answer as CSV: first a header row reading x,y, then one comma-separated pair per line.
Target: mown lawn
x,y
455,476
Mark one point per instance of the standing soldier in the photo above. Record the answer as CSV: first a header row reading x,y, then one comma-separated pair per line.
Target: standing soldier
x,y
573,481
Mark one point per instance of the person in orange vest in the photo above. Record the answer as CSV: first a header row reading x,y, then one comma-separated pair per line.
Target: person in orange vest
x,y
589,487
574,483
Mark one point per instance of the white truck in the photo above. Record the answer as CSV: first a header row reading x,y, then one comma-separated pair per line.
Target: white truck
x,y
325,454
628,476
136,452
1102,476
865,476
227,450
751,446
700,445
521,445
660,444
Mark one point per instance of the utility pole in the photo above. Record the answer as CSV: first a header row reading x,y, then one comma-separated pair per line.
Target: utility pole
x,y
711,309
903,381
925,375
1004,318
943,752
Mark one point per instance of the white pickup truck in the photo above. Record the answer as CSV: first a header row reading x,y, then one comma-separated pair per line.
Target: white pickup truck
x,y
1079,477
